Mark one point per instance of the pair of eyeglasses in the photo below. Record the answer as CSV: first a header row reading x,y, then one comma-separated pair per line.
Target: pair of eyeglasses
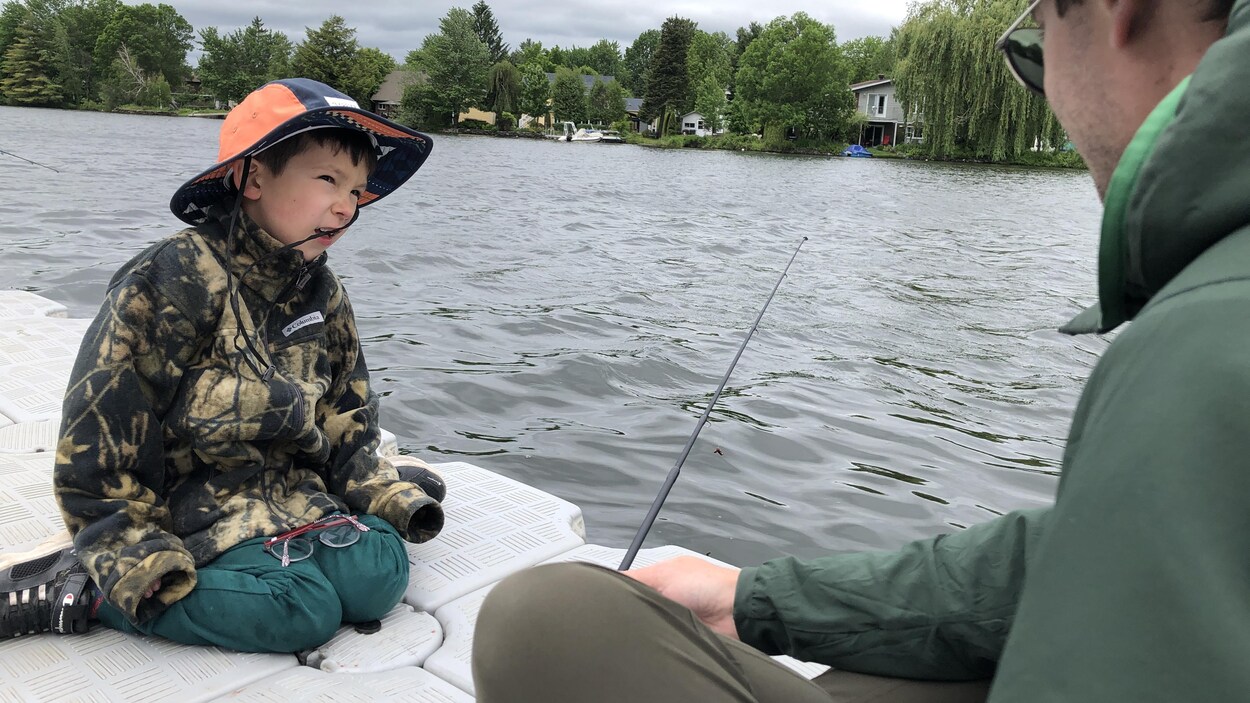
x,y
335,531
1022,48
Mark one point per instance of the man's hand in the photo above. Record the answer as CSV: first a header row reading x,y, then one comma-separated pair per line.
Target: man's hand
x,y
705,588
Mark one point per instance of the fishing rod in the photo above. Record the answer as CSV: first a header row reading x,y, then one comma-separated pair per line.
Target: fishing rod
x,y
673,472
35,163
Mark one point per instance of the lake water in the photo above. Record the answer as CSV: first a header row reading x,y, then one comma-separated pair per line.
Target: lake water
x,y
560,313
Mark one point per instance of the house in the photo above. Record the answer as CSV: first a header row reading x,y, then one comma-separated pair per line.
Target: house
x,y
886,122
633,106
693,123
386,100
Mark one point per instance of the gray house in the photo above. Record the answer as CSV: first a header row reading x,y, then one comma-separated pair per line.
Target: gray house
x,y
386,100
886,122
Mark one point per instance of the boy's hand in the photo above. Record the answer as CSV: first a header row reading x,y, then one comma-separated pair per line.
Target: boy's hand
x,y
706,589
156,586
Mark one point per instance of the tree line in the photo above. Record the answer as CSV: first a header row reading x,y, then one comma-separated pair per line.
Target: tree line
x,y
103,53
788,77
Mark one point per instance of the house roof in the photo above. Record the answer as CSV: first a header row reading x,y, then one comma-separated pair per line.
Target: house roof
x,y
633,104
392,88
870,84
587,81
696,114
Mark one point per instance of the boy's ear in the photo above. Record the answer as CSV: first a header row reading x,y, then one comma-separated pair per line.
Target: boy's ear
x,y
255,175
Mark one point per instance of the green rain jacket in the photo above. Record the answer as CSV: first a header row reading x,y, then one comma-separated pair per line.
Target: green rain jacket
x,y
1135,585
174,450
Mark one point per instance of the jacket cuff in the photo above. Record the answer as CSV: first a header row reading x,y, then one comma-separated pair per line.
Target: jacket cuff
x,y
751,610
416,516
176,572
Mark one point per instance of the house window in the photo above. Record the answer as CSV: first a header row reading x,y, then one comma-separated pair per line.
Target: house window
x,y
689,125
876,104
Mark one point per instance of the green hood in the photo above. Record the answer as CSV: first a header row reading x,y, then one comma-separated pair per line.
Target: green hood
x,y
1182,185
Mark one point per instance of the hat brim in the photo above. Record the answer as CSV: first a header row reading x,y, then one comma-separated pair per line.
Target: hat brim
x,y
402,151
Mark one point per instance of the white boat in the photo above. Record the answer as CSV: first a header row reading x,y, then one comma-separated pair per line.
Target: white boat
x,y
495,526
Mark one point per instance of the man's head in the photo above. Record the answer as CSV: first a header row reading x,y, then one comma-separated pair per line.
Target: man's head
x,y
1108,63
280,124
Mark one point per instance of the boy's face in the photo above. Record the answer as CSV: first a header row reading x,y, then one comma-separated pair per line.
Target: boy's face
x,y
318,189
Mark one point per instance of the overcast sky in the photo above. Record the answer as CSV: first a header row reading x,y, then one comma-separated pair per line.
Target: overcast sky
x,y
398,26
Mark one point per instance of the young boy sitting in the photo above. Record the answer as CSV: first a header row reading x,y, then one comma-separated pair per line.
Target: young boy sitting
x,y
217,465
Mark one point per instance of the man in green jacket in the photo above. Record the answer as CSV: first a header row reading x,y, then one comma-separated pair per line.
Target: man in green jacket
x,y
1135,585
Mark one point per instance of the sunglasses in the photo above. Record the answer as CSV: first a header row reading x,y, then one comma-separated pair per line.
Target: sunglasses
x,y
1022,48
336,531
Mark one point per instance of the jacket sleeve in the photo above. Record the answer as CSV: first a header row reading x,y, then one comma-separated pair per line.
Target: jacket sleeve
x,y
937,609
348,414
110,464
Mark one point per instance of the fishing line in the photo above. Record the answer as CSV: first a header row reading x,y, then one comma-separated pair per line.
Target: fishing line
x,y
36,163
672,474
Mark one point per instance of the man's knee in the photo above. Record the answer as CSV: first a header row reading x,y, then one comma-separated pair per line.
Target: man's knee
x,y
546,599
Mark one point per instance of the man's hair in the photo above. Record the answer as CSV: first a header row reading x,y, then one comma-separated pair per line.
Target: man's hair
x,y
1214,10
357,144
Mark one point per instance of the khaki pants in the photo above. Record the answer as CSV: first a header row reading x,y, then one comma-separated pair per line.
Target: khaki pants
x,y
577,632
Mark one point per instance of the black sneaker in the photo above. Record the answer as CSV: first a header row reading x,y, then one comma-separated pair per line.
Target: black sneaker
x,y
45,589
418,472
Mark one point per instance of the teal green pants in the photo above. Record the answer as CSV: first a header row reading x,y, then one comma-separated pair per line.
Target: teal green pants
x,y
247,601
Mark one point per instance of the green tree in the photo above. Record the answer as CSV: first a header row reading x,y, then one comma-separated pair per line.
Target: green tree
x,y
12,15
487,30
949,75
156,37
234,65
709,101
605,103
605,57
709,55
576,57
638,61
668,81
73,33
869,57
327,53
568,96
745,36
26,67
368,70
556,56
504,87
456,62
529,52
535,91
792,76
127,83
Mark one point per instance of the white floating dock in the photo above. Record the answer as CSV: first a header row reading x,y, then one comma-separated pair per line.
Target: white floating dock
x,y
495,526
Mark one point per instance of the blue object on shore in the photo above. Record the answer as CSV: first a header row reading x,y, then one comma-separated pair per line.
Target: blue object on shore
x,y
857,150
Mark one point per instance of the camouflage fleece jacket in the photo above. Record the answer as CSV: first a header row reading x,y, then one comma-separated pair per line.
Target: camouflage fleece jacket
x,y
174,450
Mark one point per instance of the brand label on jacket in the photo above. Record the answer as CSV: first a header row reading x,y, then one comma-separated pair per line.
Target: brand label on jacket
x,y
311,318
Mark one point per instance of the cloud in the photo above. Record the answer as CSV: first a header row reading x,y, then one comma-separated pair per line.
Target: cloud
x,y
398,26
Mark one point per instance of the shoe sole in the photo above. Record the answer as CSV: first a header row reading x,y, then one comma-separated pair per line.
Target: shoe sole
x,y
10,560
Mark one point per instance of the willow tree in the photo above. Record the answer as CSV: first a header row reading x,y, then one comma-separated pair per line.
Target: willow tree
x,y
950,77
503,87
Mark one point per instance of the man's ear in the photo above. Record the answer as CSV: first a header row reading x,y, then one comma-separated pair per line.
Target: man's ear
x,y
1129,19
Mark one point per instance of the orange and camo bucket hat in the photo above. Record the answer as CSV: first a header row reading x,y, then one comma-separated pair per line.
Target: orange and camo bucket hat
x,y
282,109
